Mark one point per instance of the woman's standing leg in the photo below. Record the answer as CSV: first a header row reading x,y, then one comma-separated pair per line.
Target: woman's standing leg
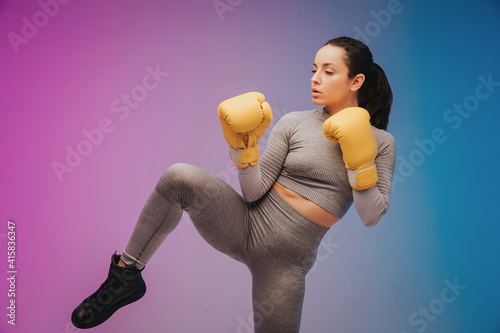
x,y
278,296
282,249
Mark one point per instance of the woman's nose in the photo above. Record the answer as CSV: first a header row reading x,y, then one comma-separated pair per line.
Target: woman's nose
x,y
314,78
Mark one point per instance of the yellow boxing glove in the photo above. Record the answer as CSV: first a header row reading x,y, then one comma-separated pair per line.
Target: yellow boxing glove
x,y
351,128
244,119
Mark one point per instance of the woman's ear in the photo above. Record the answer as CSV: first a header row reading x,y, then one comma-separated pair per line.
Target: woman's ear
x,y
357,82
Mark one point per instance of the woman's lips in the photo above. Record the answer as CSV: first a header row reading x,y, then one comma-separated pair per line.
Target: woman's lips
x,y
315,92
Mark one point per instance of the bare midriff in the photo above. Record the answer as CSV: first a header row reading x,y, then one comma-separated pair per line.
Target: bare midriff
x,y
306,207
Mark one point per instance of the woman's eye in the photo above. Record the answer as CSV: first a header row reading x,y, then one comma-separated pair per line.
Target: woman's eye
x,y
326,72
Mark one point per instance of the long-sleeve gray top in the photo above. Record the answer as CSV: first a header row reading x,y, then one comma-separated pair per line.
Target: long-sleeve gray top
x,y
299,157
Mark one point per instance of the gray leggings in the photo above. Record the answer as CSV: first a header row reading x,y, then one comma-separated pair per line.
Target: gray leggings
x,y
273,240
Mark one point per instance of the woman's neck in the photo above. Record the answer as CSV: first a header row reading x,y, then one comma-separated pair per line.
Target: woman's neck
x,y
333,109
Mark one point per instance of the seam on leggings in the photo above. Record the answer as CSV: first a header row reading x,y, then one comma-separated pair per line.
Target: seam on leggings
x,y
226,237
158,228
129,257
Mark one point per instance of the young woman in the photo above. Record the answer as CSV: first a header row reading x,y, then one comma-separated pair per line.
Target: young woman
x,y
315,165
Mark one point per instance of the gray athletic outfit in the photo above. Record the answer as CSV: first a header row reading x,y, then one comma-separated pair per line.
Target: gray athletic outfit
x,y
260,229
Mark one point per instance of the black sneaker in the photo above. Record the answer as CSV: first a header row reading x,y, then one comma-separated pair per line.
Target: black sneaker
x,y
123,286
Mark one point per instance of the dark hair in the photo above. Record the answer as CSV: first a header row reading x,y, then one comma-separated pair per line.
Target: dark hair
x,y
375,95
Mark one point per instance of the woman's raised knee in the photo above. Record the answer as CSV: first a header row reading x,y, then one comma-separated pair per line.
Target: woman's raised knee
x,y
179,175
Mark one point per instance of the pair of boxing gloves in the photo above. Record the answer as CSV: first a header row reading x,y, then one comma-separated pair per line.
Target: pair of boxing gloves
x,y
245,118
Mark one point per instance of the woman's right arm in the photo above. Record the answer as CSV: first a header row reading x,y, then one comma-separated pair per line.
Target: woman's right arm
x,y
372,203
256,180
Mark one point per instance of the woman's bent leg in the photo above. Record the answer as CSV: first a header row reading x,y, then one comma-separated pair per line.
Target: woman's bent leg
x,y
218,212
216,209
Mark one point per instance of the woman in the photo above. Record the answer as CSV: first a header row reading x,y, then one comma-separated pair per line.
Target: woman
x,y
315,165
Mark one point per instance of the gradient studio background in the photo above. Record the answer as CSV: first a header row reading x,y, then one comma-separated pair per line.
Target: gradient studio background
x,y
66,70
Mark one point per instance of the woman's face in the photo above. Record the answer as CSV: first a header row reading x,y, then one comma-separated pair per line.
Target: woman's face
x,y
330,83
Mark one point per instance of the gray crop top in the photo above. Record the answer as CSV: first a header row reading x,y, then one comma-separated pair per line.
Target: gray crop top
x,y
301,158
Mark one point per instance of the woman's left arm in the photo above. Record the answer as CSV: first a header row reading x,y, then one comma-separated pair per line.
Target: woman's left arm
x,y
372,203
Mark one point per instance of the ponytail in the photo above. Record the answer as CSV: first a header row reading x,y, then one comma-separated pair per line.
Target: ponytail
x,y
377,98
375,95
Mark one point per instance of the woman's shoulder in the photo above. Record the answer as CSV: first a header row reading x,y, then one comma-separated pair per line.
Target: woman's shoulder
x,y
385,140
383,135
